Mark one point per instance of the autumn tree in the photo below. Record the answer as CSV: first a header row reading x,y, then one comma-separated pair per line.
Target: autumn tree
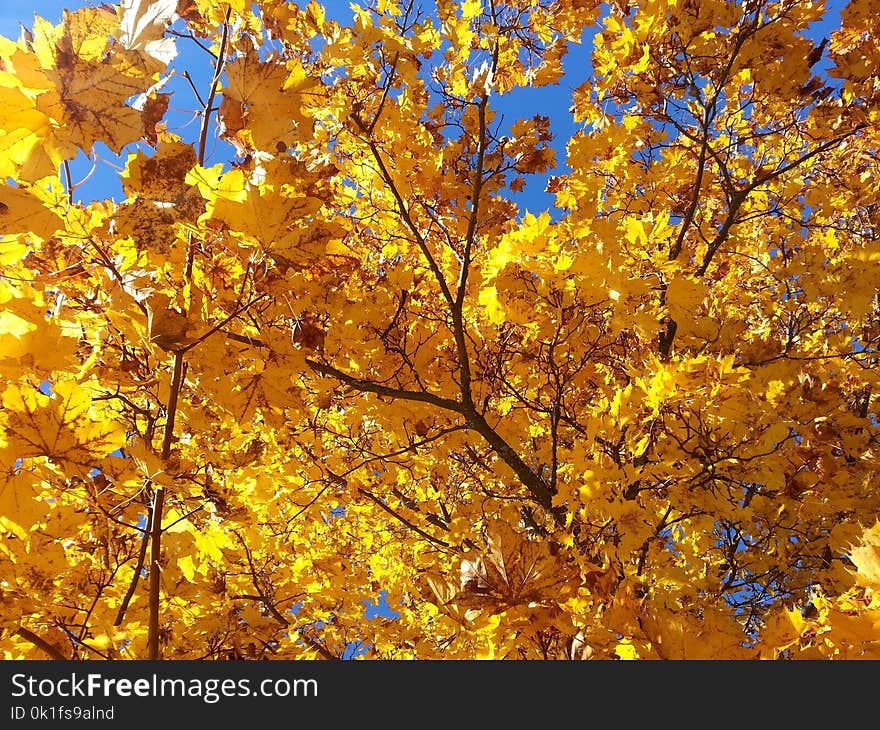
x,y
320,350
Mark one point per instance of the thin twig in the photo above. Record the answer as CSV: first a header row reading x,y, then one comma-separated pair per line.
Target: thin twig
x,y
400,518
68,181
194,89
218,70
222,323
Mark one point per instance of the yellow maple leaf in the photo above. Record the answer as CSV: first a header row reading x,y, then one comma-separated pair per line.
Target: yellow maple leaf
x,y
83,82
161,177
866,558
20,508
471,9
264,102
143,23
63,426
21,211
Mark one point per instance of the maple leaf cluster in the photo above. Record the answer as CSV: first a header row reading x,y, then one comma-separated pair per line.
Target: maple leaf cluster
x,y
318,352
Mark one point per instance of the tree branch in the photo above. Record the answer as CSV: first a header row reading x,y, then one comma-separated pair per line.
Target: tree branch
x,y
475,421
400,518
153,649
215,81
708,118
40,643
404,211
396,393
740,196
470,236
139,566
540,491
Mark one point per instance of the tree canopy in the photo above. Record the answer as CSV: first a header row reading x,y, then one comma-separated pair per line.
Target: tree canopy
x,y
341,363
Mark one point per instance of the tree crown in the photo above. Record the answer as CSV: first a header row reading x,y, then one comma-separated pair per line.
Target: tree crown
x,y
341,358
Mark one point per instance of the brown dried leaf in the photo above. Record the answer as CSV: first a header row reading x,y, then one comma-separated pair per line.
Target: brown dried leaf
x,y
442,593
514,571
154,110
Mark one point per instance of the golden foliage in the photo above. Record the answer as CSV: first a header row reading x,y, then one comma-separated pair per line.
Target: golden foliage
x,y
320,350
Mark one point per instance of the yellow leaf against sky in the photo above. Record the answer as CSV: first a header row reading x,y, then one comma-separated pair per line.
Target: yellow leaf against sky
x,y
143,24
267,99
90,103
471,9
82,35
77,84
